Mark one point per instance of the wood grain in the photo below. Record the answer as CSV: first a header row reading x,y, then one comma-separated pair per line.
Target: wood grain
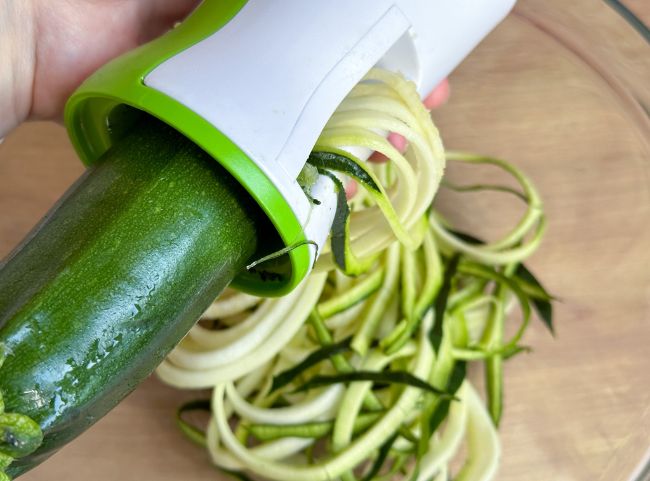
x,y
535,92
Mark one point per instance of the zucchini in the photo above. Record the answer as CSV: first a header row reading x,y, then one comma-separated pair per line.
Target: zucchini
x,y
110,281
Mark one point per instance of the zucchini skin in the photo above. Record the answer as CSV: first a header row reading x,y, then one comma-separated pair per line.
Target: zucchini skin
x,y
113,277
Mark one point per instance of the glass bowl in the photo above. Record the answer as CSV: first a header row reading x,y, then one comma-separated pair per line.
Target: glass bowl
x,y
562,90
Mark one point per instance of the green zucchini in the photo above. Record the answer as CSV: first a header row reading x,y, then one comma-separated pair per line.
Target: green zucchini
x,y
110,281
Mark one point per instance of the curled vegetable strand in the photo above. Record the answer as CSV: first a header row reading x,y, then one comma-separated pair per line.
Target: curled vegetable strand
x,y
364,377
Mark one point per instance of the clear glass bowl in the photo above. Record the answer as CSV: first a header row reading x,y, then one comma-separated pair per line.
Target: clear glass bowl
x,y
559,88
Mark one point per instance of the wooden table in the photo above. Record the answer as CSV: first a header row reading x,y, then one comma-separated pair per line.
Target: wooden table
x,y
552,89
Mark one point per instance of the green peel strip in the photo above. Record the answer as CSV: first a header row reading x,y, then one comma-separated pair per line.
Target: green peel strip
x,y
345,163
345,259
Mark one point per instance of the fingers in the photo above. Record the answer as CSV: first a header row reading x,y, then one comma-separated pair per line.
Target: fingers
x,y
160,16
174,9
397,141
438,97
351,189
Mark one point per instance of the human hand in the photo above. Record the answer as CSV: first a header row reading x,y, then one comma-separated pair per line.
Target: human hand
x,y
53,45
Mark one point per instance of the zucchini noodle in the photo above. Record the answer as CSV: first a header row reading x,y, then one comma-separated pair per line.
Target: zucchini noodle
x,y
363,378
386,102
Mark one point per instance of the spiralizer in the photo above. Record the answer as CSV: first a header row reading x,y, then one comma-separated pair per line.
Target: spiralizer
x,y
126,262
253,83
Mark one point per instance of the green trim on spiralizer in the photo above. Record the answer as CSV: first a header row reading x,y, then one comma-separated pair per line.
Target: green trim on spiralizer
x,y
96,117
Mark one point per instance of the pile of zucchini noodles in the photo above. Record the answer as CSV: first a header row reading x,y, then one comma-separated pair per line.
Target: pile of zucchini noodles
x,y
363,377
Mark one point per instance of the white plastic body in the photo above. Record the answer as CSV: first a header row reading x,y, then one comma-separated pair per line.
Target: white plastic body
x,y
271,78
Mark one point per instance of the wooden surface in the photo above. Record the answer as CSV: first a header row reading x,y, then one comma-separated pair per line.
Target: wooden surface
x,y
578,408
